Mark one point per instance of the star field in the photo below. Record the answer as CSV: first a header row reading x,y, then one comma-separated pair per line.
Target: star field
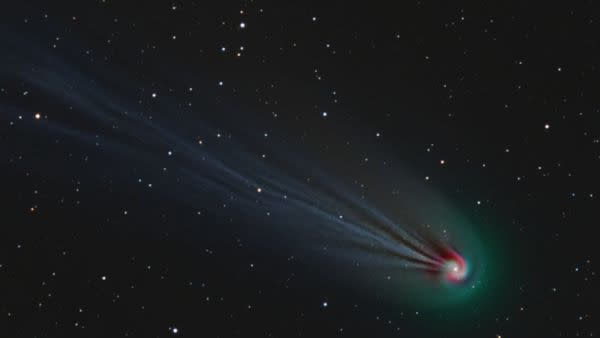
x,y
227,169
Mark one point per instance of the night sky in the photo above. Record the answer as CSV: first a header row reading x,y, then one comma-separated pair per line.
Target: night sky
x,y
299,169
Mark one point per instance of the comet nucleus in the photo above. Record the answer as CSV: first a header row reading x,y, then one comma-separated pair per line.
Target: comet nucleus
x,y
454,267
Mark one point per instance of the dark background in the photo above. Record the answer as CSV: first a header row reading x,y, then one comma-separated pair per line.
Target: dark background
x,y
477,80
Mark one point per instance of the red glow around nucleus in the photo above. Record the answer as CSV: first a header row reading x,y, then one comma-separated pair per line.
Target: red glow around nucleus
x,y
454,267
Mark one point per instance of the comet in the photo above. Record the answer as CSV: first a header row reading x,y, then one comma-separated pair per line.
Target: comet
x,y
315,207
